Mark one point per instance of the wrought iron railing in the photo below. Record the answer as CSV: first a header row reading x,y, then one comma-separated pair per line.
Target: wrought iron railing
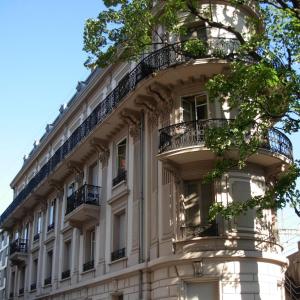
x,y
65,274
88,265
36,237
155,61
48,281
19,245
21,291
87,194
50,227
292,289
120,253
122,174
190,231
33,286
192,133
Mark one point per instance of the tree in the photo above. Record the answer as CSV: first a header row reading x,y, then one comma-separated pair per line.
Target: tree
x,y
263,82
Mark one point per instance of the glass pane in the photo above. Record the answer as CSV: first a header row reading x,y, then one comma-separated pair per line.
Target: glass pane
x,y
121,155
188,107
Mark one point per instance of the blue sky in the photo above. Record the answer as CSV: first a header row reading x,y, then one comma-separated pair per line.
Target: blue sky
x,y
41,61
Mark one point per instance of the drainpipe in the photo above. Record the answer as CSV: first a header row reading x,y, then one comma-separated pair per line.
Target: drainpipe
x,y
141,211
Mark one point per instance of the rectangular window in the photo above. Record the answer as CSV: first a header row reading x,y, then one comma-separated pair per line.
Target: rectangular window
x,y
34,274
202,290
51,215
93,174
67,256
26,232
90,248
22,281
38,223
121,156
194,108
118,236
121,164
197,199
49,262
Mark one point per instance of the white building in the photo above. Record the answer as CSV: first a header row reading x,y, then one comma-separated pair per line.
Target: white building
x,y
4,243
111,203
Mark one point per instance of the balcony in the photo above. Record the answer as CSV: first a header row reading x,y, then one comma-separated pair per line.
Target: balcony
x,y
21,291
50,227
83,205
183,141
192,231
18,250
156,61
118,254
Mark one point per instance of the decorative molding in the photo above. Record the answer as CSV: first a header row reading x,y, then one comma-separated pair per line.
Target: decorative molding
x,y
198,268
58,187
132,119
76,168
100,146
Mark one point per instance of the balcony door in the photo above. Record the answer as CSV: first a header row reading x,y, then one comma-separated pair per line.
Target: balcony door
x,y
194,108
195,112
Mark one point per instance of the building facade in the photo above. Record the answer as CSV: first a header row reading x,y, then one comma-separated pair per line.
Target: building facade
x,y
111,204
4,243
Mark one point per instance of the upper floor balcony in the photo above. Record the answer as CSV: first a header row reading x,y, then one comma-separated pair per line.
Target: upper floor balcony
x,y
182,142
83,205
18,251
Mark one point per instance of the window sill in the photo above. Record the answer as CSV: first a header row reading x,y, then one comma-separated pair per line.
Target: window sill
x,y
65,279
118,196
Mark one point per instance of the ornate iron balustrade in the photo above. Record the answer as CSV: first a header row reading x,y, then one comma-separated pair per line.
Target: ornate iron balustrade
x,y
122,175
33,286
190,231
192,133
87,194
19,245
50,227
155,61
48,281
65,274
36,237
88,265
120,253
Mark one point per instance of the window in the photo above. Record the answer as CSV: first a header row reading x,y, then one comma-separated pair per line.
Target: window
x,y
34,274
121,156
90,247
202,290
197,199
22,281
195,31
67,256
26,232
49,261
93,174
118,236
38,226
194,108
120,162
51,215
71,189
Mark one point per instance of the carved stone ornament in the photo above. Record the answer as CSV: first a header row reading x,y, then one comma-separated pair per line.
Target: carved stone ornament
x,y
132,119
198,268
58,187
101,148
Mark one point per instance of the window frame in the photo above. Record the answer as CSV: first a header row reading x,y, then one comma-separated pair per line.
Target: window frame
x,y
194,95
